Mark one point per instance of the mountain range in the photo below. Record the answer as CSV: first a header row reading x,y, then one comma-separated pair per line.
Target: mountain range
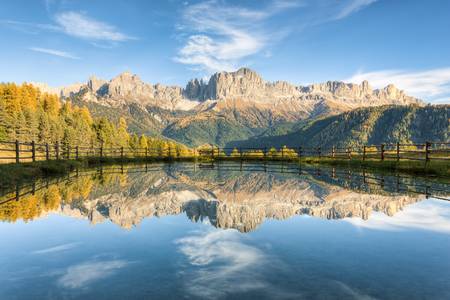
x,y
229,108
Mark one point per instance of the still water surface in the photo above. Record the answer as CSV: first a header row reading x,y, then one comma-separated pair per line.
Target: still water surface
x,y
227,231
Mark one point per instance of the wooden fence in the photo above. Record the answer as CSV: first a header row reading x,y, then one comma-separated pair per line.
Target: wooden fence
x,y
30,152
359,181
426,152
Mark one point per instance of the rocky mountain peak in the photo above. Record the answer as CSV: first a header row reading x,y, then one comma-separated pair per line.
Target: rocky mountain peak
x,y
128,85
243,88
97,85
392,91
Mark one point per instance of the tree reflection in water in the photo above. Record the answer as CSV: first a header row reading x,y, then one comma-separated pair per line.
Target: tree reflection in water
x,y
228,195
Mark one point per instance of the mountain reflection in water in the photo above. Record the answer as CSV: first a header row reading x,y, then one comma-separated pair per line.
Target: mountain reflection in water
x,y
228,195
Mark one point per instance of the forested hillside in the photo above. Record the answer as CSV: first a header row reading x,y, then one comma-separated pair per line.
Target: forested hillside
x,y
27,114
374,125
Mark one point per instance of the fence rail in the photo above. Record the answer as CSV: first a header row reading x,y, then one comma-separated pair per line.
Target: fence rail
x,y
19,152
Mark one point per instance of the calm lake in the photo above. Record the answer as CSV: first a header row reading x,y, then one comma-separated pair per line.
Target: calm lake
x,y
225,231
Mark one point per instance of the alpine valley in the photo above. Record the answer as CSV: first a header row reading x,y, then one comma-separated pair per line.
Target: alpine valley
x,y
241,108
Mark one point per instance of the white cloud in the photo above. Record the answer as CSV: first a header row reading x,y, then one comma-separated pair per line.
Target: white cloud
x,y
224,264
54,52
351,7
81,26
430,84
430,215
81,275
54,249
220,35
75,24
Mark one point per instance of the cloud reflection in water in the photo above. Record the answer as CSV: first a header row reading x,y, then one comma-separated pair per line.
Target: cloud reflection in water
x,y
224,264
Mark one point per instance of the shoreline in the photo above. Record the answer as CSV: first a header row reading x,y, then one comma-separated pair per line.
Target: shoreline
x,y
12,174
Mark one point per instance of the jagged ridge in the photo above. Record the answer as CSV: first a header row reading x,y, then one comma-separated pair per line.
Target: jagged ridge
x,y
230,106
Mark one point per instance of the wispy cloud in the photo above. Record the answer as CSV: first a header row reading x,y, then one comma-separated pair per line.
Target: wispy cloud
x,y
54,249
30,28
74,24
80,25
81,275
351,7
431,215
223,37
54,52
218,36
432,85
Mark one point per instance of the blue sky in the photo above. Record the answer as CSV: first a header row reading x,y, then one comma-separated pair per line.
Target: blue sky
x,y
301,41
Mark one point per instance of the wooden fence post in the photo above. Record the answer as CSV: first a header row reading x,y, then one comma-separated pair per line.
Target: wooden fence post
x,y
57,150
33,151
364,152
77,152
240,152
17,152
101,150
427,151
333,152
319,153
47,154
349,153
398,151
382,151
282,152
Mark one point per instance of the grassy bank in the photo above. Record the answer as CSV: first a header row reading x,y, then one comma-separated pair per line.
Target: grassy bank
x,y
411,167
11,174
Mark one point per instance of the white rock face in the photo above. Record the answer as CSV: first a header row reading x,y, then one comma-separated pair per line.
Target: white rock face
x,y
246,84
235,90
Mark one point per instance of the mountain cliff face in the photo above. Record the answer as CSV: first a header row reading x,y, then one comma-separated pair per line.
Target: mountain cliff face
x,y
229,106
244,85
126,89
247,85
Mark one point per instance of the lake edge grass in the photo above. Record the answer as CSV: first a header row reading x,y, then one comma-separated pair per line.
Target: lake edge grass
x,y
11,174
